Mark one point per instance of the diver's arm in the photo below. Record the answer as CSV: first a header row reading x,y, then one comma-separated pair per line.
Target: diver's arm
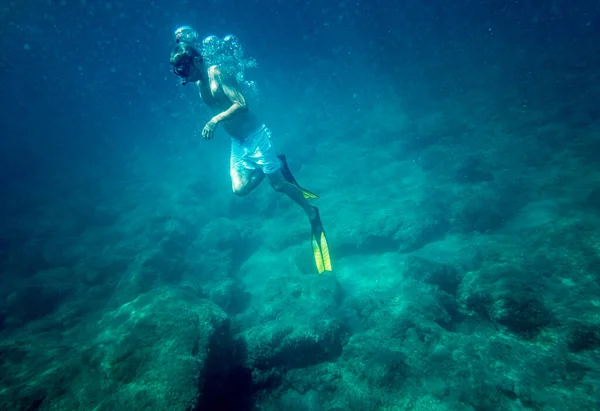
x,y
238,101
233,94
235,108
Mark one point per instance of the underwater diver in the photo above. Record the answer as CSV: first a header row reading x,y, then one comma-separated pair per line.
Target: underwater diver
x,y
252,154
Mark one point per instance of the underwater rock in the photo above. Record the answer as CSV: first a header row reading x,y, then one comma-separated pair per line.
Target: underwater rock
x,y
39,297
377,360
490,206
521,315
443,276
230,295
393,231
155,352
31,303
592,201
289,345
583,337
473,171
293,324
508,298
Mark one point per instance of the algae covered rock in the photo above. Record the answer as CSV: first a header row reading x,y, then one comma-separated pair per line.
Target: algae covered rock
x,y
507,297
294,323
443,276
154,352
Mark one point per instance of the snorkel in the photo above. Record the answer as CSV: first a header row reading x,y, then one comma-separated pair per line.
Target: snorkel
x,y
185,55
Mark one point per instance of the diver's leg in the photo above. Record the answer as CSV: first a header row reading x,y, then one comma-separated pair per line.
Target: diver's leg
x,y
244,180
279,184
274,171
273,167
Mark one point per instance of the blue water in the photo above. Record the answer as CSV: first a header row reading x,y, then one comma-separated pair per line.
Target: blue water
x,y
454,147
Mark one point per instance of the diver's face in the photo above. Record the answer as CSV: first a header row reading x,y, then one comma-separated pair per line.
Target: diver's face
x,y
187,70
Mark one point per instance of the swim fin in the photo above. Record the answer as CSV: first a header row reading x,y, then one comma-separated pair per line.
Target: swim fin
x,y
287,174
319,244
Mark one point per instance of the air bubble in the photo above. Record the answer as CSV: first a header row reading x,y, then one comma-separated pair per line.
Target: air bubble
x,y
227,53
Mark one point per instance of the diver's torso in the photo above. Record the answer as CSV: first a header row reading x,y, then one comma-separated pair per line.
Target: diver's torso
x,y
241,125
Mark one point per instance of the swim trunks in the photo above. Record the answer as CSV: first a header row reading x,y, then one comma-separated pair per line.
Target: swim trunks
x,y
254,152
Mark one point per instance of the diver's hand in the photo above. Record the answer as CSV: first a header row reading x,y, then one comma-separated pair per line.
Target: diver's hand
x,y
208,132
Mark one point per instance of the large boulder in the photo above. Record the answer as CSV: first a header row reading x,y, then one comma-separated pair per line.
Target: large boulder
x,y
292,324
507,297
155,352
443,276
38,297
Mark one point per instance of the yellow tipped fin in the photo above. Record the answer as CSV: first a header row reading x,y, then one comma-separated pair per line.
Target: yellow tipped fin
x,y
318,257
307,194
321,253
319,244
325,253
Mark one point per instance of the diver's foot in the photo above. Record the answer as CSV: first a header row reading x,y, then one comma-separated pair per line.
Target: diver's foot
x,y
319,244
312,214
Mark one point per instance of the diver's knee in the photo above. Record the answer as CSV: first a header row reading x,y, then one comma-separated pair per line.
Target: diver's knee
x,y
240,191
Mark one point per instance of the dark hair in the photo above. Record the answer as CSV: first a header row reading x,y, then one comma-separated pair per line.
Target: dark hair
x,y
183,57
184,53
